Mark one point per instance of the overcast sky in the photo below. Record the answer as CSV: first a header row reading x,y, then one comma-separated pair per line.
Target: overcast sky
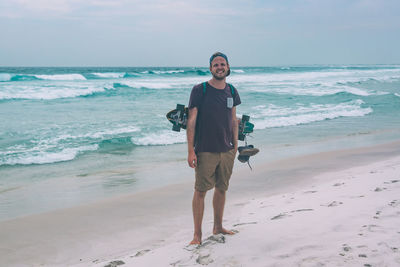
x,y
186,33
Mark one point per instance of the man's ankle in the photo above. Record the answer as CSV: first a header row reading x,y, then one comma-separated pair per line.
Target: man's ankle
x,y
197,234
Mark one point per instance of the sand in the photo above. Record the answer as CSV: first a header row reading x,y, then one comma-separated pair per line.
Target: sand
x,y
346,218
337,208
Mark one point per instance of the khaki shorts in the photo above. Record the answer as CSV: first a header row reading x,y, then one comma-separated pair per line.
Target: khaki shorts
x,y
214,169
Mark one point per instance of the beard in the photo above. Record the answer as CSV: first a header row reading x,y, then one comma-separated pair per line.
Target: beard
x,y
220,78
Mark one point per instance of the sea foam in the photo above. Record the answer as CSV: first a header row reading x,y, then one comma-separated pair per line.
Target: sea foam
x,y
44,157
109,74
5,77
48,92
61,77
275,116
315,83
166,137
101,134
49,150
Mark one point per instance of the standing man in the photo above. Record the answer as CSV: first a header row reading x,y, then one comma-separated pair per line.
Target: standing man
x,y
212,135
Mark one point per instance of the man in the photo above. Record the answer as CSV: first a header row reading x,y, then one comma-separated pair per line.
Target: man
x,y
212,135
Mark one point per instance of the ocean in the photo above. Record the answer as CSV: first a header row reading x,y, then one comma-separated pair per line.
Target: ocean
x,y
73,135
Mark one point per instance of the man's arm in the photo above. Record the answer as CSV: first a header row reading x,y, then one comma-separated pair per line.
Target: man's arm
x,y
235,128
190,131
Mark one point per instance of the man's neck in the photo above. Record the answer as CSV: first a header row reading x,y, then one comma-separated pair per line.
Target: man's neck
x,y
219,84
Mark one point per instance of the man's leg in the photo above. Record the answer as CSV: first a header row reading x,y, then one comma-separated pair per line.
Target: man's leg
x,y
198,210
219,204
223,174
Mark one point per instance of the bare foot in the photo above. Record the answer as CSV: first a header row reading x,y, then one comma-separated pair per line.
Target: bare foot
x,y
196,240
223,231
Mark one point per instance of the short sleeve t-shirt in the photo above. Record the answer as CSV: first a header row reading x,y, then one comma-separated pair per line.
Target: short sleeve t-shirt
x,y
214,117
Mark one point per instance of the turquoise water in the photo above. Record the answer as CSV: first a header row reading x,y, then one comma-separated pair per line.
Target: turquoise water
x,y
70,135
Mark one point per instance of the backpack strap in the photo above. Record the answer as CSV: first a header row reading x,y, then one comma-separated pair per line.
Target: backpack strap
x,y
232,89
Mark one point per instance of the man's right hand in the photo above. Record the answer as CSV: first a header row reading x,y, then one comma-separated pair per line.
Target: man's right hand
x,y
192,159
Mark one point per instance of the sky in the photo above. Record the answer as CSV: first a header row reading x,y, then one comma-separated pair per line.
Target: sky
x,y
187,32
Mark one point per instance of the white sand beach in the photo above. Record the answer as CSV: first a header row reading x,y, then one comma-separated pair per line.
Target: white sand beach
x,y
339,208
345,218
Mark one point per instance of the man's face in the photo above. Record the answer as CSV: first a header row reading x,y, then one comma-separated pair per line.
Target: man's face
x,y
219,68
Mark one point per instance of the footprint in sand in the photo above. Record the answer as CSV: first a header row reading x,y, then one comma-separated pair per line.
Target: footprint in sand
x,y
115,264
204,258
392,182
220,238
310,192
266,206
202,252
346,248
394,203
238,224
141,253
373,228
300,210
332,204
280,216
338,184
241,204
360,254
211,240
378,189
286,214
175,263
192,247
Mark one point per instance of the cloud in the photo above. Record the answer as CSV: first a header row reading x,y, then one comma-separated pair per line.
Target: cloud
x,y
160,27
55,8
188,9
45,6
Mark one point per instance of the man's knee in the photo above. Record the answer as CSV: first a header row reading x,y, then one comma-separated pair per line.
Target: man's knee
x,y
200,194
219,191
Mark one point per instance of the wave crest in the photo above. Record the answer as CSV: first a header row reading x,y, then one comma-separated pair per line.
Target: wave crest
x,y
49,92
275,116
166,137
45,157
109,75
61,77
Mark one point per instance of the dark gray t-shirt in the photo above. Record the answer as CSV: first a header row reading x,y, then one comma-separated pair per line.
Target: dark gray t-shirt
x,y
214,117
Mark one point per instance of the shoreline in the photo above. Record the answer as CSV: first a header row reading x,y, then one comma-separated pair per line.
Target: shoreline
x,y
115,227
29,190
